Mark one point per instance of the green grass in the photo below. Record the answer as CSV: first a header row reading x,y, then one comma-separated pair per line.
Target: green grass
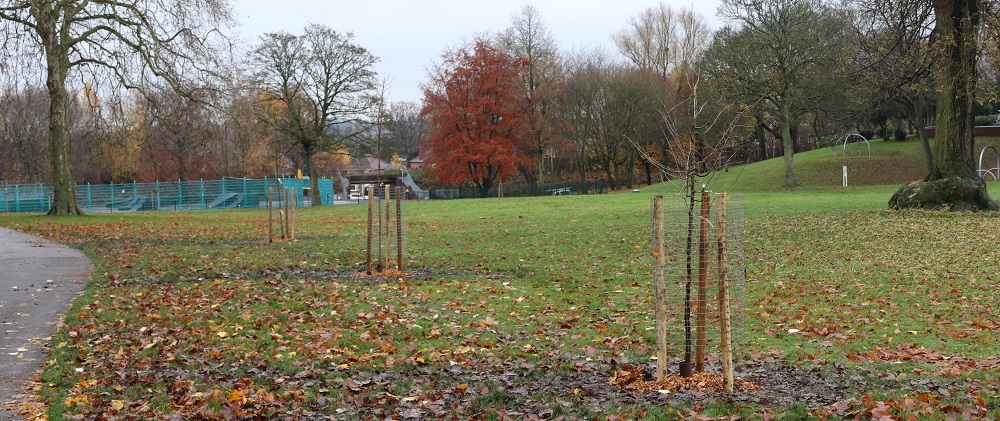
x,y
195,314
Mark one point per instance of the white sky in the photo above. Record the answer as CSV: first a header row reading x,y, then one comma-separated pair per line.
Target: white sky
x,y
408,36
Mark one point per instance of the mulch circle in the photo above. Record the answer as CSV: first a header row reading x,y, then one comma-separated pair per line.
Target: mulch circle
x,y
635,379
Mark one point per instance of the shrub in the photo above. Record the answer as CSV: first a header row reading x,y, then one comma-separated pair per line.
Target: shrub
x,y
899,134
868,134
986,120
883,132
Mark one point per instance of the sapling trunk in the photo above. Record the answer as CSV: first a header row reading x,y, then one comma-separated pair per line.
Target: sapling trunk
x,y
702,302
686,365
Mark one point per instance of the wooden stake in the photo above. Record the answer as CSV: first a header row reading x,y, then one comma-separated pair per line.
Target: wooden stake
x,y
368,260
725,319
659,288
270,217
399,229
294,214
701,303
288,209
388,225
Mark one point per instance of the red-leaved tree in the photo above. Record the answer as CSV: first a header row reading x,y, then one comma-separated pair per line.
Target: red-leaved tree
x,y
476,130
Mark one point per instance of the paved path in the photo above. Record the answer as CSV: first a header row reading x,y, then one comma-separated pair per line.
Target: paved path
x,y
38,280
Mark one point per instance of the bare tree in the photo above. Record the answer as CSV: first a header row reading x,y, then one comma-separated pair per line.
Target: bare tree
x,y
22,135
246,139
585,98
648,39
130,41
609,106
894,58
177,142
528,38
316,82
661,38
406,129
772,53
113,131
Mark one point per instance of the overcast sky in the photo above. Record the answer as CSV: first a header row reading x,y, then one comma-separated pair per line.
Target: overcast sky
x,y
408,36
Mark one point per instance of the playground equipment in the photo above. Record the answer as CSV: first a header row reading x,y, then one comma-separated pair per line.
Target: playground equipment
x,y
851,143
419,193
995,170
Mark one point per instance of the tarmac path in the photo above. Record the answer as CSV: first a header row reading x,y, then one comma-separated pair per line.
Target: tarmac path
x,y
38,281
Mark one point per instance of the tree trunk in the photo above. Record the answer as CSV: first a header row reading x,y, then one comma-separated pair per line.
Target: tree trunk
x,y
540,147
957,26
611,178
63,195
308,150
789,147
761,133
952,183
484,188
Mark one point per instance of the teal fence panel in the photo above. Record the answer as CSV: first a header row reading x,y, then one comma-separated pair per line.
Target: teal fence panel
x,y
227,193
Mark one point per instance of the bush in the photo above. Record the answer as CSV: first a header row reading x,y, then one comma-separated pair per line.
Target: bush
x,y
986,120
883,132
899,134
868,134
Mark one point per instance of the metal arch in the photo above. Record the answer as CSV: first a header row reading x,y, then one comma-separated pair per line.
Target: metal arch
x,y
846,141
995,171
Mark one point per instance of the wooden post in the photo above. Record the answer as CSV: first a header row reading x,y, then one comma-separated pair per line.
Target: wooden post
x,y
725,319
270,218
701,303
399,229
388,227
294,213
368,260
288,209
659,288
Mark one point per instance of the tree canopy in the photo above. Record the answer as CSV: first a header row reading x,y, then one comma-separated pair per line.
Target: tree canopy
x,y
476,125
317,83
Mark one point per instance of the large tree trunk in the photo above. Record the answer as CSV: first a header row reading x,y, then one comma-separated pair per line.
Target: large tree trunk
x,y
63,195
952,183
957,24
308,150
789,147
612,184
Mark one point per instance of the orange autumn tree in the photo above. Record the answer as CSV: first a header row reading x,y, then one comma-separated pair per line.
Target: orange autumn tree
x,y
477,133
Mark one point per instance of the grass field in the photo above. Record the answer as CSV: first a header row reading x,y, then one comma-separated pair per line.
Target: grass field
x,y
526,307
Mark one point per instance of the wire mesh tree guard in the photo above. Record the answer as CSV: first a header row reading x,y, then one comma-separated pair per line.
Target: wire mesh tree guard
x,y
699,281
382,224
287,213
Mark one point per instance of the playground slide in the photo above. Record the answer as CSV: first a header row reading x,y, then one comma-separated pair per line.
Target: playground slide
x,y
225,200
129,205
419,193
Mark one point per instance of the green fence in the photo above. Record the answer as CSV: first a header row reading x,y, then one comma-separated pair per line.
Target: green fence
x,y
25,198
523,190
173,195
